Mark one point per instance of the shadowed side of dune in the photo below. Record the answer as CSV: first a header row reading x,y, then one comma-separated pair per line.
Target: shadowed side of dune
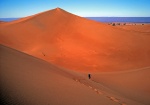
x,y
26,80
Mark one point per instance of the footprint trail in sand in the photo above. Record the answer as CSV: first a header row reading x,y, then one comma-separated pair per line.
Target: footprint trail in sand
x,y
99,92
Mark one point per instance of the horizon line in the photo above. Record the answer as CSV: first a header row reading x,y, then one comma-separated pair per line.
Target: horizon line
x,y
94,16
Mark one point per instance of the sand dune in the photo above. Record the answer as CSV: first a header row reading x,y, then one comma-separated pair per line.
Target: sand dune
x,y
133,84
30,81
52,44
26,80
76,43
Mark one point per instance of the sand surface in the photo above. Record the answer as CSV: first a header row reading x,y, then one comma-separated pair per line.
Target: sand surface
x,y
133,84
45,60
26,80
145,28
79,44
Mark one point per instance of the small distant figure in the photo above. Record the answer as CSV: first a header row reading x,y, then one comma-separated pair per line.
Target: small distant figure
x,y
43,54
89,75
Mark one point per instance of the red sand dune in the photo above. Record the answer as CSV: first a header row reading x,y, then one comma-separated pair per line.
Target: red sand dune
x,y
26,80
77,43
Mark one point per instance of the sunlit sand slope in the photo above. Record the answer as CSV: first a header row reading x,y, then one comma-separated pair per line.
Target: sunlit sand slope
x,y
133,84
76,43
26,80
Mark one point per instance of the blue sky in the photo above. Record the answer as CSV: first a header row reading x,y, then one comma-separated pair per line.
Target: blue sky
x,y
85,8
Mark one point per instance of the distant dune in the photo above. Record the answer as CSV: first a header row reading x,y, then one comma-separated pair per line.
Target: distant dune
x,y
26,80
76,43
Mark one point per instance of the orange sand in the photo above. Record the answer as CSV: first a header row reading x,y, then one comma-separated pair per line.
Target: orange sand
x,y
76,43
26,80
